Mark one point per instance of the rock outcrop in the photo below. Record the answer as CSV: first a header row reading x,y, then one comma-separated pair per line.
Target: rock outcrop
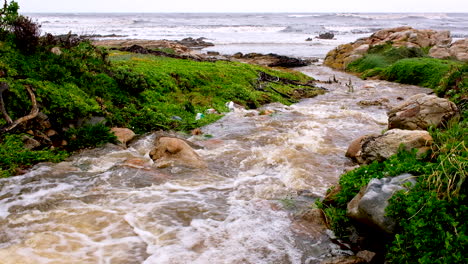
x,y
174,151
371,147
421,111
326,35
369,205
148,44
270,60
457,50
192,43
342,55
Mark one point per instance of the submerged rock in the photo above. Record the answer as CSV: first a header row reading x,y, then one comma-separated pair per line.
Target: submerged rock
x,y
368,148
421,111
369,205
174,151
326,35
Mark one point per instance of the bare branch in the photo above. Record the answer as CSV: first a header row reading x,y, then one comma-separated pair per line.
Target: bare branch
x,y
3,87
32,114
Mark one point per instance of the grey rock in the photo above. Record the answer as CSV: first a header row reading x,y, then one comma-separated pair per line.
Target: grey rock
x,y
368,148
421,111
369,205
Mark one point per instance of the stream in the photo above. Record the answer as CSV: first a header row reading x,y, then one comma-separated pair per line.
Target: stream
x,y
112,205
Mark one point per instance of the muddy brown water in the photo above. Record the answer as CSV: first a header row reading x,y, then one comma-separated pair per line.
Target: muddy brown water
x,y
111,205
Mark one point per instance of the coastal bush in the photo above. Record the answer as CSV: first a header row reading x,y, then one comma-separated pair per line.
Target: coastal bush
x,y
172,91
353,181
26,34
89,136
430,217
382,56
427,72
8,14
13,155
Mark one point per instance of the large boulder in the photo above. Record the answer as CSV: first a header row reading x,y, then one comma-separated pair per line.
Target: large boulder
x,y
174,151
124,135
369,148
369,205
342,55
421,111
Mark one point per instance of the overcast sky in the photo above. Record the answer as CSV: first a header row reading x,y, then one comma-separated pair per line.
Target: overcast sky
x,y
242,6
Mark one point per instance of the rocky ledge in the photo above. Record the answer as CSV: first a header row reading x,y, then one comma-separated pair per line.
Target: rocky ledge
x,y
439,42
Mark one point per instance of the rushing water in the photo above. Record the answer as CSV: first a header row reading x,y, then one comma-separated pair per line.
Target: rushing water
x,y
110,205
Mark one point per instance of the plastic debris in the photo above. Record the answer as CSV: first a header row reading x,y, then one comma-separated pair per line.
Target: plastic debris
x,y
199,116
230,105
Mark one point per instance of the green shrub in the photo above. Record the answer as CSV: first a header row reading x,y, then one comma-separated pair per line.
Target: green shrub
x,y
89,136
430,229
382,56
427,72
368,62
353,181
14,155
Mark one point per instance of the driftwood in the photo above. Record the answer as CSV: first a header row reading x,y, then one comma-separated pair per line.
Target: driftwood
x,y
10,123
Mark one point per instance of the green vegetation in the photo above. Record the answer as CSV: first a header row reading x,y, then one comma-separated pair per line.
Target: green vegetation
x,y
79,81
413,66
13,155
431,217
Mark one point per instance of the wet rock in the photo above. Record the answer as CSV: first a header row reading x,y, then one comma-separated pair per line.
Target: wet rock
x,y
379,102
342,55
421,111
198,43
310,222
94,120
29,142
330,197
367,255
270,60
344,260
147,44
355,148
327,35
368,148
197,131
124,135
369,205
174,151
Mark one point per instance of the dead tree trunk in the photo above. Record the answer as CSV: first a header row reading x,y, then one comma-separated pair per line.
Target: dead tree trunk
x,y
10,123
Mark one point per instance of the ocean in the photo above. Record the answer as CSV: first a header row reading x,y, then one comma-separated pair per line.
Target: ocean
x,y
280,33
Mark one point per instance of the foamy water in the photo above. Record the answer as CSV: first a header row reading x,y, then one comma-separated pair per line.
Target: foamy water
x,y
112,205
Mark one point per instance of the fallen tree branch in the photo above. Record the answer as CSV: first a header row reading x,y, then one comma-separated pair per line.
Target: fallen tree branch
x,y
3,87
34,112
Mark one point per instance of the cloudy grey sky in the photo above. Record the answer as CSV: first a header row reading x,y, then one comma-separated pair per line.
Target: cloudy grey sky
x,y
243,6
